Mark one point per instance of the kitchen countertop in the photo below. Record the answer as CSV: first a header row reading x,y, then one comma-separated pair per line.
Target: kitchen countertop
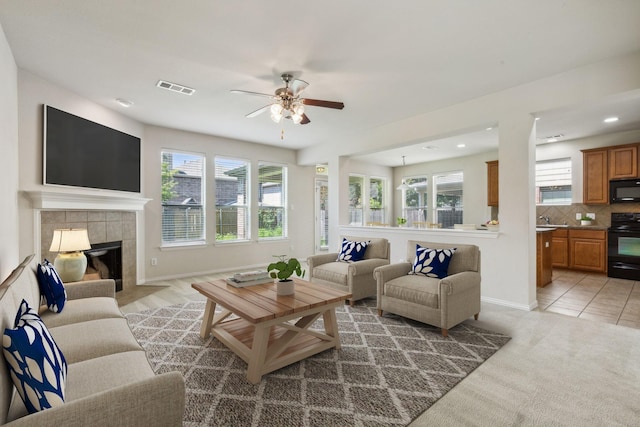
x,y
543,228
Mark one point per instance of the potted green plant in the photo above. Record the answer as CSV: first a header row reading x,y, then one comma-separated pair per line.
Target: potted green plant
x,y
282,270
401,221
585,220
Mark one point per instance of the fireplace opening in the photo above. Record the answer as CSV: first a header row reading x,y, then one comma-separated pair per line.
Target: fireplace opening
x,y
104,261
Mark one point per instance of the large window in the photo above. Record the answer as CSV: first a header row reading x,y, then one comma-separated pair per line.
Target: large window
x,y
272,200
376,213
232,199
183,215
447,190
414,201
356,211
553,182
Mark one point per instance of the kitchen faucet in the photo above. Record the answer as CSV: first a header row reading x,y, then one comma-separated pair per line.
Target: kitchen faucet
x,y
546,219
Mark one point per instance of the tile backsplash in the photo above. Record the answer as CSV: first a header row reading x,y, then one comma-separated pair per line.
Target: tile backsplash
x,y
567,214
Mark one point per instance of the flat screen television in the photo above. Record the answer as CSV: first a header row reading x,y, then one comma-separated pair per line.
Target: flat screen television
x,y
82,153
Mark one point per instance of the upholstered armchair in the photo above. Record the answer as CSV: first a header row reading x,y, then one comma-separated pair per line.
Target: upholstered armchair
x,y
441,302
355,277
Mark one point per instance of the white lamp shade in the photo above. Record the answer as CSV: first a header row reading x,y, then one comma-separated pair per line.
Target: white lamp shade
x,y
70,240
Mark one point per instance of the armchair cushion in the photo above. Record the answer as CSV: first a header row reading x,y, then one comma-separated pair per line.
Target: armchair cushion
x,y
432,262
352,251
414,288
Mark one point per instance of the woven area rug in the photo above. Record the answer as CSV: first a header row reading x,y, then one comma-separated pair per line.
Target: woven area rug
x,y
388,371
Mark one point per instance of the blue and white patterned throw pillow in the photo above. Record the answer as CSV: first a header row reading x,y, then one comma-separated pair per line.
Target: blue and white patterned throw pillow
x,y
36,364
432,262
51,286
352,251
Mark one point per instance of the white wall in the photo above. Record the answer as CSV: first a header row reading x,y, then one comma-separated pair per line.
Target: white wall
x,y
9,249
512,110
34,91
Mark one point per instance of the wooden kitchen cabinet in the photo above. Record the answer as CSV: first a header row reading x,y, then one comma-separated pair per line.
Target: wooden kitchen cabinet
x,y
492,183
544,246
560,248
588,250
595,184
623,162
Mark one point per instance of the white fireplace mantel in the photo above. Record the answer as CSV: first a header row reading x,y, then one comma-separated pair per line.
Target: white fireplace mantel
x,y
85,201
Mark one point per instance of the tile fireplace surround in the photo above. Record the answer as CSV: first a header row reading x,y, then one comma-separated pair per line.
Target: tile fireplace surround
x,y
103,226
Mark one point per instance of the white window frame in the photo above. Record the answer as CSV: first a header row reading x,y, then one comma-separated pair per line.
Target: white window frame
x,y
193,217
435,197
561,180
246,207
353,210
422,211
382,218
284,200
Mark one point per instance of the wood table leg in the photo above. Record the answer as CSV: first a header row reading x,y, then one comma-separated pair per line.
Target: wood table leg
x,y
207,320
258,353
331,325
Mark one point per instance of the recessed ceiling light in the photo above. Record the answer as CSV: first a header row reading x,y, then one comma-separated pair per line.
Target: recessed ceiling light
x,y
537,118
611,119
552,139
489,128
429,147
124,102
461,145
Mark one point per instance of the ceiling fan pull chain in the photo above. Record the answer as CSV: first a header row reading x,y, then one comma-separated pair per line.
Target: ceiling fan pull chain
x,y
282,134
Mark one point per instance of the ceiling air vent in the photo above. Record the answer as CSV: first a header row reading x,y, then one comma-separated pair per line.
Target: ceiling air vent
x,y
175,87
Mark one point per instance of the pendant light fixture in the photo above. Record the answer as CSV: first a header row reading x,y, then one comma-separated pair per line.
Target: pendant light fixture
x,y
404,185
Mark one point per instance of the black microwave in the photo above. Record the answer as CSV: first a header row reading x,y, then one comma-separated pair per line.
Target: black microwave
x,y
624,191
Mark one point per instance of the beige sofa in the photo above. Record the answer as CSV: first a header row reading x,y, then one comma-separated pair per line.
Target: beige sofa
x,y
354,277
109,379
439,302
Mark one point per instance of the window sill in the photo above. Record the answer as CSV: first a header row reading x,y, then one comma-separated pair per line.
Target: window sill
x,y
183,245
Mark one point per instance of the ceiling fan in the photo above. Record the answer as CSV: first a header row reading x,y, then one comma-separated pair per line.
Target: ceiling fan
x,y
287,102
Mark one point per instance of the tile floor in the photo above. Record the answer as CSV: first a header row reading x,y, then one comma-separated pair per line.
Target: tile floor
x,y
592,296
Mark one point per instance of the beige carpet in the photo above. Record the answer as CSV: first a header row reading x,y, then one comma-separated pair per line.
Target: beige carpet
x,y
556,371
388,371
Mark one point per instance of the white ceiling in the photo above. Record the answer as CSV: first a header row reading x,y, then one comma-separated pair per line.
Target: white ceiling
x,y
386,62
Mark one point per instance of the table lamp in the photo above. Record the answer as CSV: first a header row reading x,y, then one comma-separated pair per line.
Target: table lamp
x,y
71,263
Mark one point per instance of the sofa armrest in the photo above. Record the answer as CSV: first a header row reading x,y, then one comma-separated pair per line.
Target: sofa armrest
x,y
366,266
91,288
316,260
157,401
389,272
460,282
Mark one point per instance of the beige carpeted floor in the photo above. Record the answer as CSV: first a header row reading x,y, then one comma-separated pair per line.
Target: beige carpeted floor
x,y
556,370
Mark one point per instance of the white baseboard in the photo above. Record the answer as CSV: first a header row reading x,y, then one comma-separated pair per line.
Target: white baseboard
x,y
204,273
510,304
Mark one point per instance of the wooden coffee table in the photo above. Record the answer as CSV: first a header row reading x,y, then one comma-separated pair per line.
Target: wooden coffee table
x,y
264,333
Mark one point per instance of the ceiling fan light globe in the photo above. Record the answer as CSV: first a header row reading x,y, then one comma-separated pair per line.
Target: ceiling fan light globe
x,y
276,109
297,118
298,109
276,117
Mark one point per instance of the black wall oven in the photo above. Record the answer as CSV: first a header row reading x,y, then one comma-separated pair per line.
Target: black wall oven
x,y
624,246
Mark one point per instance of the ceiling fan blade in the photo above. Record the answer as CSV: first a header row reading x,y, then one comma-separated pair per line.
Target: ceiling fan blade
x,y
298,86
258,111
246,92
305,120
321,103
